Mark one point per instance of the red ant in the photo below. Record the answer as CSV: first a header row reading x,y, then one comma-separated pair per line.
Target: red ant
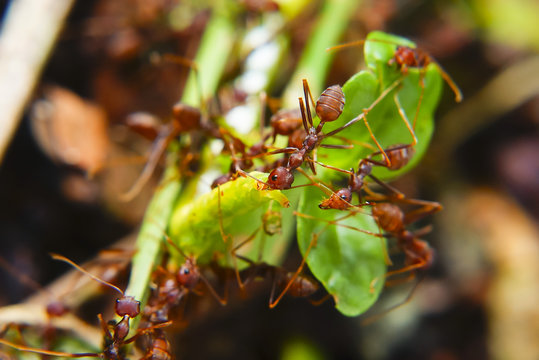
x,y
159,347
189,275
293,283
115,333
185,119
406,57
398,155
393,220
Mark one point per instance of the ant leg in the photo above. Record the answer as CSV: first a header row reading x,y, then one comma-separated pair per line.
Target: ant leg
x,y
348,44
104,327
222,300
306,123
335,146
274,303
387,259
320,301
194,67
361,116
47,352
422,84
224,235
235,256
160,145
422,263
355,142
305,84
262,185
367,110
405,118
336,223
320,184
306,90
286,150
387,161
448,80
374,196
332,167
407,299
427,208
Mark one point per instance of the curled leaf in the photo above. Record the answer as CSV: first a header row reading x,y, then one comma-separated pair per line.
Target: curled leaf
x,y
239,208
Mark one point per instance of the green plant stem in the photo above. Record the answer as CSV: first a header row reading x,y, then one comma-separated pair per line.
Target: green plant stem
x,y
315,60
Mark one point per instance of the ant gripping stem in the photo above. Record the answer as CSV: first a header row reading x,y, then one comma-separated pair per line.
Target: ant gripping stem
x,y
189,274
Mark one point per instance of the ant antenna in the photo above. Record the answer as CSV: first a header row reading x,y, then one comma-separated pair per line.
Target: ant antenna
x,y
79,268
181,60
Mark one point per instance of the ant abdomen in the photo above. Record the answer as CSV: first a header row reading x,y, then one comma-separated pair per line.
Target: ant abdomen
x,y
399,156
389,217
330,104
285,122
302,286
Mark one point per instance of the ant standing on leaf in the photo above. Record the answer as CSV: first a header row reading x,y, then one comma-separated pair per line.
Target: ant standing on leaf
x,y
328,108
399,156
406,57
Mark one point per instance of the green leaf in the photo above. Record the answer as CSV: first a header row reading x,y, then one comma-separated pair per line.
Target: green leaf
x,y
195,226
347,262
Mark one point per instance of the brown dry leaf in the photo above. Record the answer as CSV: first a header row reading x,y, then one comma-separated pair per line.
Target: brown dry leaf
x,y
70,129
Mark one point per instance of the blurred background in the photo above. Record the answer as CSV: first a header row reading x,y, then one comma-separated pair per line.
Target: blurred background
x,y
480,300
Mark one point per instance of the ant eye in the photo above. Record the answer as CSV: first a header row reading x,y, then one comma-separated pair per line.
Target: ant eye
x,y
186,271
274,177
343,197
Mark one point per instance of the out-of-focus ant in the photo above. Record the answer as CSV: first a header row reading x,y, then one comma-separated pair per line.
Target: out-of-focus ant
x,y
185,119
159,347
391,219
115,333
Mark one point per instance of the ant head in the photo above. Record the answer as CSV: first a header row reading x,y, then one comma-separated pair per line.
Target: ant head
x,y
56,308
405,56
339,200
187,116
280,178
189,274
127,305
